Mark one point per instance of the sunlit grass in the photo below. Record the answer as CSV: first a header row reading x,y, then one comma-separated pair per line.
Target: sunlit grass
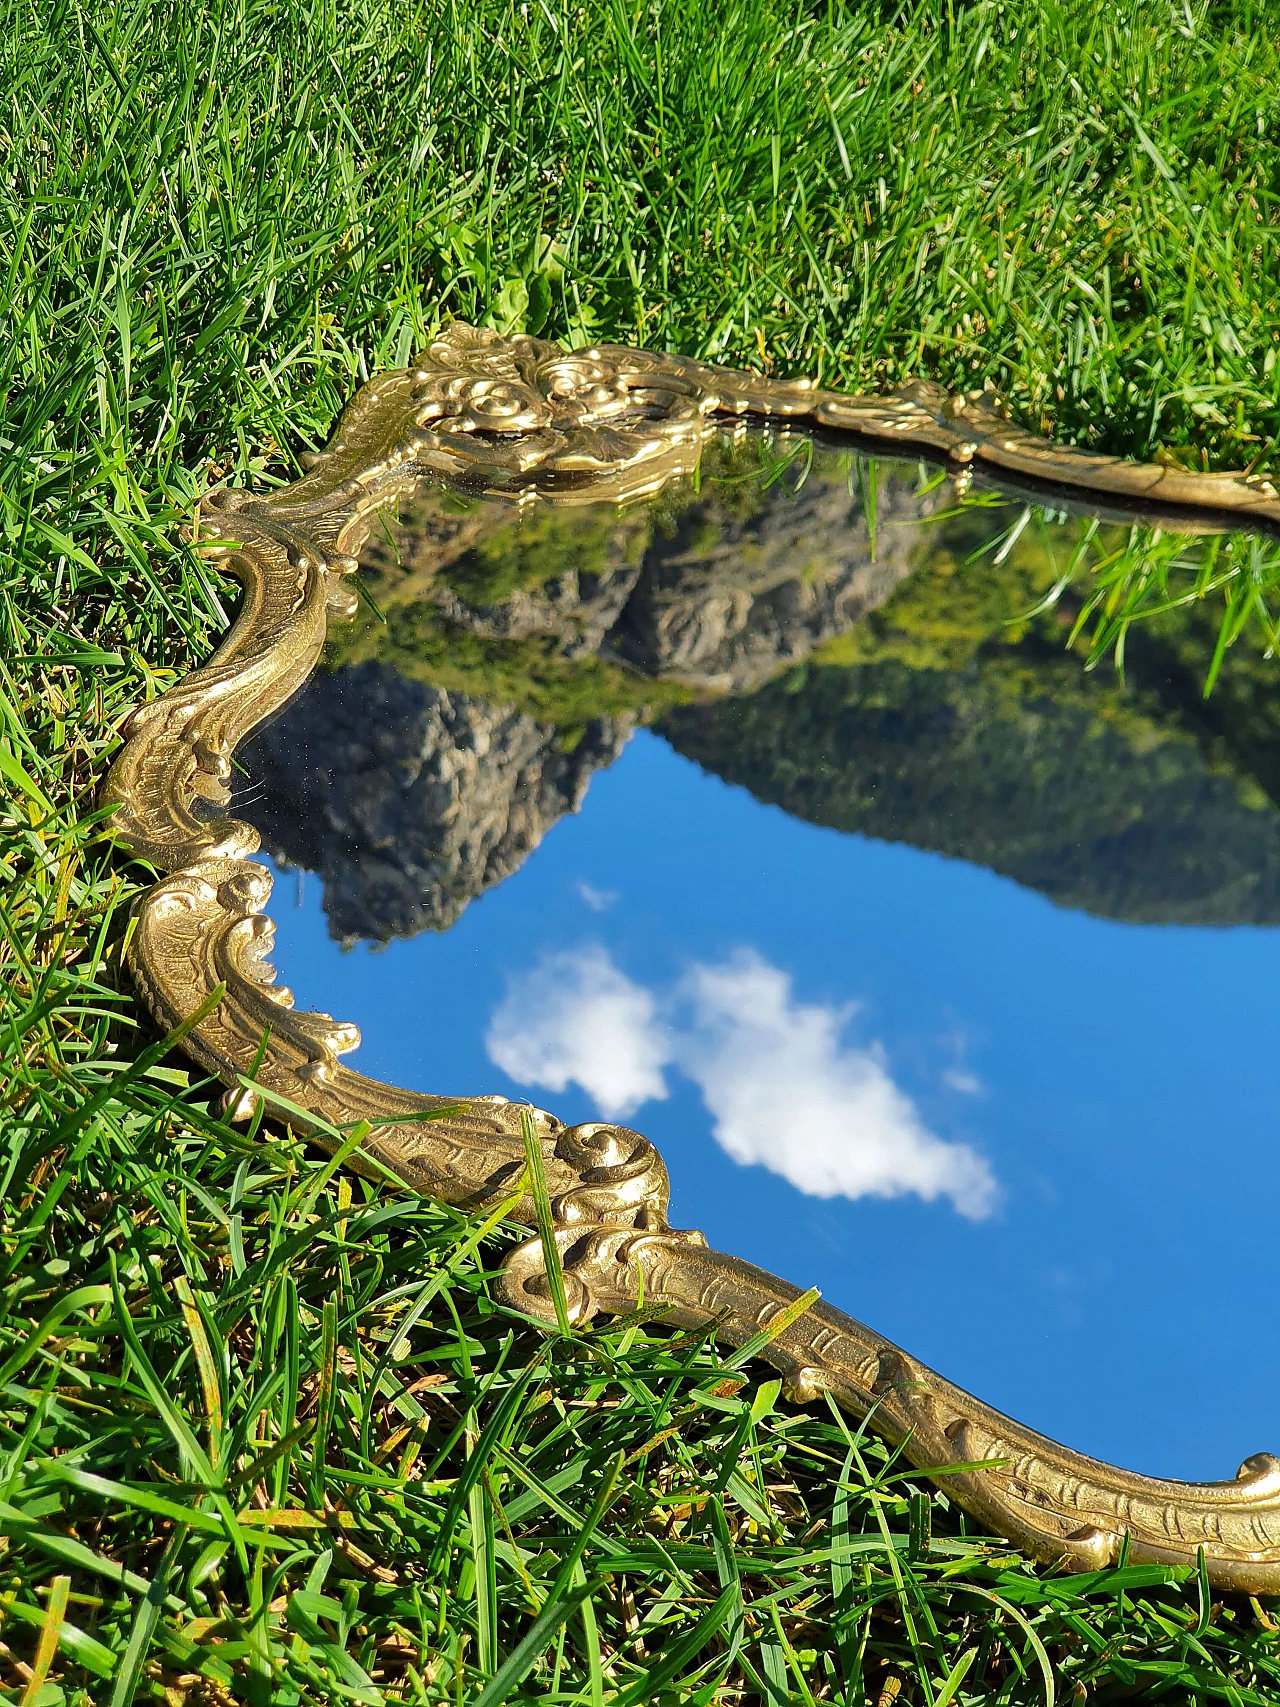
x,y
214,221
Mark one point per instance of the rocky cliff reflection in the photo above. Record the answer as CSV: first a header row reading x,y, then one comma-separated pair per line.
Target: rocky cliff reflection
x,y
848,641
976,1112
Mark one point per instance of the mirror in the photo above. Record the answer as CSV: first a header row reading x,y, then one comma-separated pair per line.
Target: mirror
x,y
787,816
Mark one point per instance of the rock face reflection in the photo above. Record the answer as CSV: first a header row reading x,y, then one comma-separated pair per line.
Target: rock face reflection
x,y
849,647
410,801
411,798
1092,813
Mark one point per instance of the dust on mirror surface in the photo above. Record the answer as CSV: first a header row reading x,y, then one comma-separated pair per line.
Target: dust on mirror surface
x,y
780,817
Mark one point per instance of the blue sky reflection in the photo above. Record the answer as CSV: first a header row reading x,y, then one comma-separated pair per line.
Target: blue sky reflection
x,y
1033,1146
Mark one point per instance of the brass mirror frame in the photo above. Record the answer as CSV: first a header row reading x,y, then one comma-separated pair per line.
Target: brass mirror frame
x,y
524,419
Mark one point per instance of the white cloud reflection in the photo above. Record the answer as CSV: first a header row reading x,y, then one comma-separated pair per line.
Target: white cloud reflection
x,y
960,1079
599,900
577,1018
783,1089
786,1092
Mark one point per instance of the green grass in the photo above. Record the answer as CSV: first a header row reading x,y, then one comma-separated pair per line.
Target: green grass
x,y
263,1434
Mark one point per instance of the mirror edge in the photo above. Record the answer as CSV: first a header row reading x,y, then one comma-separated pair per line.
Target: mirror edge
x,y
522,419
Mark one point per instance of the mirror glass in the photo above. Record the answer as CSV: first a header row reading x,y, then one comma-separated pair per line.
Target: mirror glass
x,y
803,818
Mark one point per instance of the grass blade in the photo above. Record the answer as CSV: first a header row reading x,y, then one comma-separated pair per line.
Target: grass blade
x,y
47,1646
562,1602
546,1221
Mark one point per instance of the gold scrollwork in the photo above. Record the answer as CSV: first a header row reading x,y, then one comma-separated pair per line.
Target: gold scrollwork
x,y
523,419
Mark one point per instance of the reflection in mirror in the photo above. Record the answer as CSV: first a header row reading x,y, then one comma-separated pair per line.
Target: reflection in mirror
x,y
782,817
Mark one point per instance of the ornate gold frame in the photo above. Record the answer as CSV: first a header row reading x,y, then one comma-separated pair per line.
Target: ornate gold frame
x,y
525,419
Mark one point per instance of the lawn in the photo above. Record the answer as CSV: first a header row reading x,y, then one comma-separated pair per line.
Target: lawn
x,y
264,1436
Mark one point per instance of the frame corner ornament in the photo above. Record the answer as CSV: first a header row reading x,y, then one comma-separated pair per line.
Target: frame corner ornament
x,y
524,420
